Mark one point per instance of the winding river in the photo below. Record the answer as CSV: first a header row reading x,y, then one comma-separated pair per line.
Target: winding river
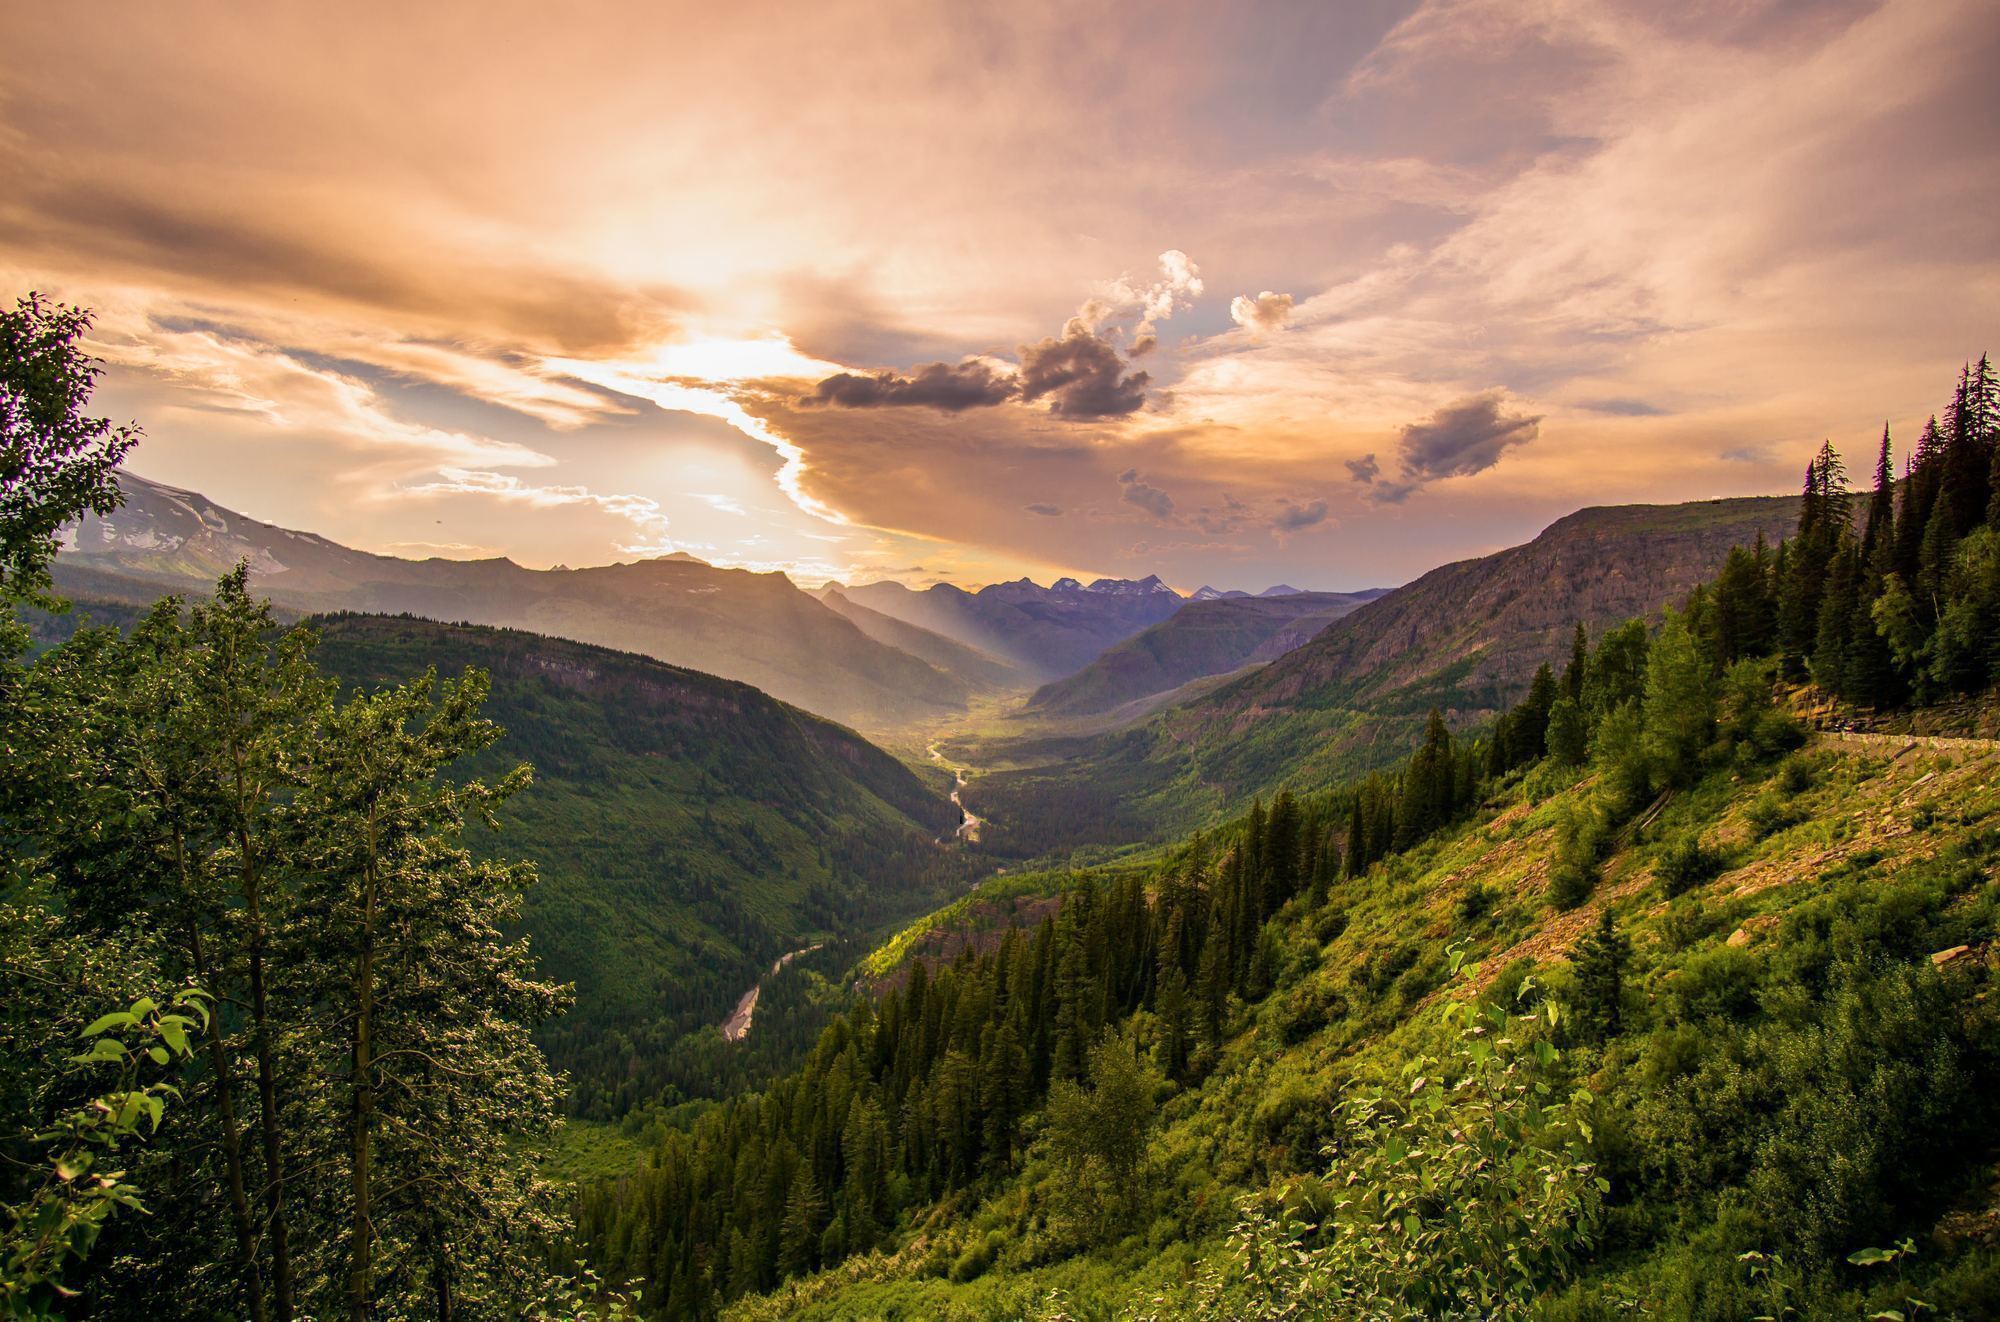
x,y
968,823
738,1023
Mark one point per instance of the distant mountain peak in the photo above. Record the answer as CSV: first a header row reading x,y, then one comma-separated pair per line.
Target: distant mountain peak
x,y
1207,593
1281,590
1129,587
1066,585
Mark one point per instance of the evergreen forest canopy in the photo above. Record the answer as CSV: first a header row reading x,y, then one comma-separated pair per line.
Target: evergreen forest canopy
x,y
1639,997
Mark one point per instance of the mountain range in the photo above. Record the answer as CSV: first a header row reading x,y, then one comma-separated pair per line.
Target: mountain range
x,y
1046,632
881,657
758,628
1465,638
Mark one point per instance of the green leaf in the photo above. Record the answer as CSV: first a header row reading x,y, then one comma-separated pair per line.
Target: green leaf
x,y
116,1019
1871,1257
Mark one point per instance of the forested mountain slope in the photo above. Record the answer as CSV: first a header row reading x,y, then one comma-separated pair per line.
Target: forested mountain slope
x,y
757,628
1475,631
1205,637
1732,1042
688,830
1787,1047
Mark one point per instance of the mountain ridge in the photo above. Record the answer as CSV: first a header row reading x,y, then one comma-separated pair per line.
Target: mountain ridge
x,y
1046,632
758,628
1206,637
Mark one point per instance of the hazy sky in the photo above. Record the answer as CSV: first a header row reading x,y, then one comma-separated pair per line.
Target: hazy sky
x,y
1321,292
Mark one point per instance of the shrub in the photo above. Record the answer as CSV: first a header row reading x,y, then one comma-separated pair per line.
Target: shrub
x,y
1476,901
1797,775
1770,814
1583,837
977,1258
1468,1191
1687,922
1570,887
1686,863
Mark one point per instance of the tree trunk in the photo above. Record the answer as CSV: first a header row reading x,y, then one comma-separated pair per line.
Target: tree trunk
x,y
360,1275
260,1037
232,1138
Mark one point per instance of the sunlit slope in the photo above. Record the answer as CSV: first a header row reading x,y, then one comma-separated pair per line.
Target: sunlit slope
x,y
1798,1059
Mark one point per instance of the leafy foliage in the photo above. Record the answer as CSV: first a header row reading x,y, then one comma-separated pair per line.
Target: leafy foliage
x,y
77,1192
55,462
1467,1192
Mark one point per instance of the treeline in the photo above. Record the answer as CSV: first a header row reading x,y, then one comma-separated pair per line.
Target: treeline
x,y
1904,607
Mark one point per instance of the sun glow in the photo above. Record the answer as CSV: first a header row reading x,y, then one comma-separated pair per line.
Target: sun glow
x,y
695,376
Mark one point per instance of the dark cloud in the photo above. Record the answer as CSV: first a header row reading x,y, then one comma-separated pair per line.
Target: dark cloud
x,y
1625,408
1079,373
1365,469
1463,438
1224,519
1044,509
1082,376
1393,493
951,387
1294,517
1148,498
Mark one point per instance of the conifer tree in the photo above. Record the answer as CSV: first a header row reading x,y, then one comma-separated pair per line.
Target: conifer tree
x,y
1838,609
1579,664
1920,486
399,946
1679,712
1569,733
799,1233
1174,1036
1599,962
1881,529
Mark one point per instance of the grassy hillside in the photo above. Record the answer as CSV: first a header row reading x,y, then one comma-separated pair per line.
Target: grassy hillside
x,y
1464,638
1800,1066
688,830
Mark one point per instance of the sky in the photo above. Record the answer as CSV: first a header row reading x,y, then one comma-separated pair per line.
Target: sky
x,y
1326,294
